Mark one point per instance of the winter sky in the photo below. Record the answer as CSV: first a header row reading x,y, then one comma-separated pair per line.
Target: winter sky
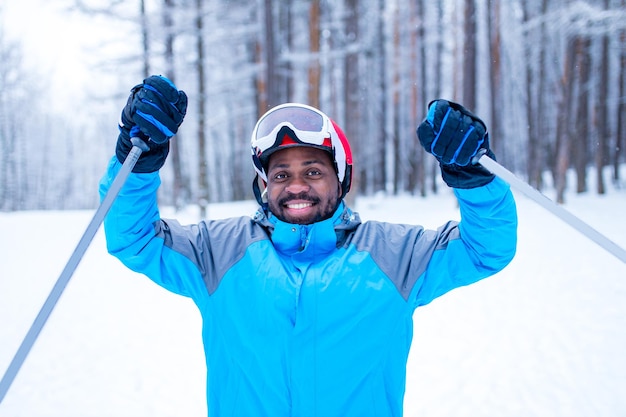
x,y
55,44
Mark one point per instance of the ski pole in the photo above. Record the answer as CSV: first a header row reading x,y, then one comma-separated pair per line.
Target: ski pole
x,y
139,146
551,206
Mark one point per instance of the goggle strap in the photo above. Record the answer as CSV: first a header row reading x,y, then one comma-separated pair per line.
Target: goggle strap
x,y
257,192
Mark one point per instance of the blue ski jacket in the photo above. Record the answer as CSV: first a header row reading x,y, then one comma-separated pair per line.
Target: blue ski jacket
x,y
308,320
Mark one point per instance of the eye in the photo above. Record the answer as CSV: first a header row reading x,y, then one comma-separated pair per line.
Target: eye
x,y
314,172
279,176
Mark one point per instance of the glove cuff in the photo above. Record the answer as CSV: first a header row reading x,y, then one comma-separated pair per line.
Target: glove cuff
x,y
469,176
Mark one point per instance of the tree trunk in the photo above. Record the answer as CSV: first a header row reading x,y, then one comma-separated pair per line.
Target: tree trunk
x,y
438,66
270,57
564,116
601,119
469,56
203,178
532,165
579,141
497,103
396,87
419,83
620,139
180,187
145,38
541,142
314,49
379,176
352,97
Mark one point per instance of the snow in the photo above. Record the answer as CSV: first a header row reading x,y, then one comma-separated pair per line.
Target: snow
x,y
544,337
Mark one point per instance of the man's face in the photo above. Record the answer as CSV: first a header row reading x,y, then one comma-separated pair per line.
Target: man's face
x,y
302,185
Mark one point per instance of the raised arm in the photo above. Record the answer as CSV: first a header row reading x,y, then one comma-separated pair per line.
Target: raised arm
x,y
134,231
485,240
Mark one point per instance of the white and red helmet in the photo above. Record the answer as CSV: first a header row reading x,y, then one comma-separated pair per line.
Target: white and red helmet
x,y
291,125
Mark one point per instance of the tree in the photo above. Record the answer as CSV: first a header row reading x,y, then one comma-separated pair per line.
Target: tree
x,y
578,136
601,118
314,49
180,187
419,84
469,55
536,82
563,145
620,140
497,99
203,184
352,83
145,38
269,90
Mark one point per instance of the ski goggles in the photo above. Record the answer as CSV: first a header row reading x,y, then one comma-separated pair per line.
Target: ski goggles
x,y
310,126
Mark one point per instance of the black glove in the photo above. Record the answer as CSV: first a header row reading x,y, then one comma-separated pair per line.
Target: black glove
x,y
455,136
154,112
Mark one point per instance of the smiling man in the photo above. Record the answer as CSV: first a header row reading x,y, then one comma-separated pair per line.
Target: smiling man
x,y
304,188
306,310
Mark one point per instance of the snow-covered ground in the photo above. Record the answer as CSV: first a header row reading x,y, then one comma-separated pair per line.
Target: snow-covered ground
x,y
545,337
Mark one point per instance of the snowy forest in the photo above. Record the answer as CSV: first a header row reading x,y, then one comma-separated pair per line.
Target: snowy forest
x,y
547,76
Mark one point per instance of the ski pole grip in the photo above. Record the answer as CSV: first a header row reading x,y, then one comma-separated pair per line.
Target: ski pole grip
x,y
139,147
141,144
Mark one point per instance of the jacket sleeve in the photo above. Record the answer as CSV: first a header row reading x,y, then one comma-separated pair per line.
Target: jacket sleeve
x,y
132,229
480,245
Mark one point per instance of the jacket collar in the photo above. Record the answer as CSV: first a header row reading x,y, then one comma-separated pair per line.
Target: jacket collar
x,y
313,239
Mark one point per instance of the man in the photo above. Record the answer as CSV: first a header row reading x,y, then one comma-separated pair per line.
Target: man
x,y
307,311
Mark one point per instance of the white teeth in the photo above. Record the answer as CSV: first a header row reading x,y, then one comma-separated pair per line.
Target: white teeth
x,y
299,206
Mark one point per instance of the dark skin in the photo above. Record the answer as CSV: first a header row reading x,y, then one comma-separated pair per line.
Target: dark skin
x,y
302,185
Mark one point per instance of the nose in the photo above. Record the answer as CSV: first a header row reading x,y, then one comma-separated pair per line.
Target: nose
x,y
297,185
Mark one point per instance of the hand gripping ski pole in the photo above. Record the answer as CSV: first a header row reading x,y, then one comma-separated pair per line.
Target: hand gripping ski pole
x,y
551,206
139,146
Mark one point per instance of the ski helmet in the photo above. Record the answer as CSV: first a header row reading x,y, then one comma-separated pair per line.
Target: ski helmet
x,y
292,124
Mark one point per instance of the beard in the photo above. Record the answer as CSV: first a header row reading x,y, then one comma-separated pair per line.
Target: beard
x,y
322,209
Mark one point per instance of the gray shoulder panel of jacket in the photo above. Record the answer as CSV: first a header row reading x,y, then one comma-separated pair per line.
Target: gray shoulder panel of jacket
x,y
213,246
402,252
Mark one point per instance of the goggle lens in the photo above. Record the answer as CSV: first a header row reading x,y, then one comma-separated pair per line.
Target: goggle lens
x,y
303,119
